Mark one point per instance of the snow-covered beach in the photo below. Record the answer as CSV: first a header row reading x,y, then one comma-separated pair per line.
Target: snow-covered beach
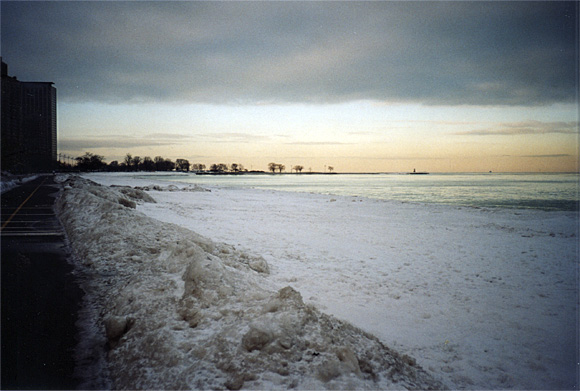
x,y
480,298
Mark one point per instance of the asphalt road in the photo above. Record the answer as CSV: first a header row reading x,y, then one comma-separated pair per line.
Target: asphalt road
x,y
39,296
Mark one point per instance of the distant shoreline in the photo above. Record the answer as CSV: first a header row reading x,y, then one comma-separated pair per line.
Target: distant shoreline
x,y
259,173
262,173
362,173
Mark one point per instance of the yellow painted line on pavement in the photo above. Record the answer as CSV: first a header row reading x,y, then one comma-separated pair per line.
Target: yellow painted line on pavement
x,y
21,205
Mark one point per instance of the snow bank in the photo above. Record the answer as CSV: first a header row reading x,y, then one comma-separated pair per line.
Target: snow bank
x,y
9,182
179,311
171,188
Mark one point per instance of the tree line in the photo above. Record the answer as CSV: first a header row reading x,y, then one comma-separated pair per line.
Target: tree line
x,y
93,162
273,167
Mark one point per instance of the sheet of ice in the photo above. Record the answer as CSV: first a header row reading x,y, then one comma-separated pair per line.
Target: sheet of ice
x,y
483,299
180,311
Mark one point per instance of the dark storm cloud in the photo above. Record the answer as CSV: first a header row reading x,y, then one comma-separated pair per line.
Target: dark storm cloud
x,y
448,53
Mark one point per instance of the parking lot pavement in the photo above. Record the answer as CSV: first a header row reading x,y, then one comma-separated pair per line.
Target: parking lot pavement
x,y
39,295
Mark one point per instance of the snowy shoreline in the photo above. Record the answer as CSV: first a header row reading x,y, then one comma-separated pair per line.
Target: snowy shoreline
x,y
482,299
180,311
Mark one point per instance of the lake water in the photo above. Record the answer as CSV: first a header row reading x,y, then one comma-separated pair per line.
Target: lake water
x,y
547,191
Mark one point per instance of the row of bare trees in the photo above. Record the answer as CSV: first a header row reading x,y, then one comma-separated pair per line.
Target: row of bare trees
x,y
159,163
222,167
93,162
276,166
273,167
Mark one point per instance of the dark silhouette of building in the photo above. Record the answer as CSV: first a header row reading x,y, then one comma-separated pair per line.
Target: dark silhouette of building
x,y
12,137
28,125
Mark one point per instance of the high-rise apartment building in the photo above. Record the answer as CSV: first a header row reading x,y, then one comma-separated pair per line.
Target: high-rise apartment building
x,y
12,138
28,125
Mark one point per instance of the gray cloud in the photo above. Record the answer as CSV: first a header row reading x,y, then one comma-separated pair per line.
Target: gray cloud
x,y
87,143
558,155
168,136
233,137
441,53
525,128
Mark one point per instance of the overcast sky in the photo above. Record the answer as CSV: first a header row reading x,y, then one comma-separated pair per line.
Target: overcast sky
x,y
379,86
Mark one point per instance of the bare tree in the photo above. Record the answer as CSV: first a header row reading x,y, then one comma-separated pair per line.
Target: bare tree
x,y
90,162
272,167
281,168
114,166
330,169
182,164
159,163
135,162
162,164
236,167
148,164
298,168
221,167
128,161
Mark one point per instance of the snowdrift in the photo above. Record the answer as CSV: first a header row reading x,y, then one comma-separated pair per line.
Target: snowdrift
x,y
9,181
171,309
